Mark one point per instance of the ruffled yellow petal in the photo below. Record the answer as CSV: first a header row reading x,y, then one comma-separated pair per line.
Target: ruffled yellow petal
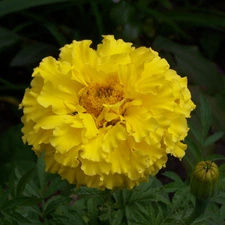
x,y
57,98
62,144
92,168
110,46
92,150
128,77
139,123
140,56
106,118
161,103
78,54
69,159
113,137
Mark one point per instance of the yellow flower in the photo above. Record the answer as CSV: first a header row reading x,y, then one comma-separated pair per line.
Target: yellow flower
x,y
108,117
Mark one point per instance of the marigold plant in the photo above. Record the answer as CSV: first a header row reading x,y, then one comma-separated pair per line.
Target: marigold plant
x,y
108,117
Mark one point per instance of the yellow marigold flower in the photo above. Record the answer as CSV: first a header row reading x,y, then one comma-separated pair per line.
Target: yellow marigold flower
x,y
108,117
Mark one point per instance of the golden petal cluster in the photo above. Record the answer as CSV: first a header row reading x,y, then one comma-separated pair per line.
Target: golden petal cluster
x,y
107,117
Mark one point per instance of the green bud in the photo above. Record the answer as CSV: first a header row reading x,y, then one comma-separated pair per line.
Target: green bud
x,y
205,180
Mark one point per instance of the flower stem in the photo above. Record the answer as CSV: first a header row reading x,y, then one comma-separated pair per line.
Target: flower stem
x,y
199,209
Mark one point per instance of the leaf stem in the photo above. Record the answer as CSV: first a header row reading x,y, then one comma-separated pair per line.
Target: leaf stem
x,y
199,209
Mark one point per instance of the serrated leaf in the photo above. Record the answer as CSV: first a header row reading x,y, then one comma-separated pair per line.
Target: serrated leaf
x,y
92,211
68,217
180,196
213,138
53,186
16,217
117,217
172,187
53,203
220,198
134,215
122,196
162,199
126,196
142,196
32,54
155,215
21,201
152,215
173,176
23,181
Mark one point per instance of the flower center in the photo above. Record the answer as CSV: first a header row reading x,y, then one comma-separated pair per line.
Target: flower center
x,y
96,94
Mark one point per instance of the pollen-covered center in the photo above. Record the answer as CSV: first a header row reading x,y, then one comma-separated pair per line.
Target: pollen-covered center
x,y
96,95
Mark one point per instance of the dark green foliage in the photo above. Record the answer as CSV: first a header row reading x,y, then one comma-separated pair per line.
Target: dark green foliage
x,y
189,34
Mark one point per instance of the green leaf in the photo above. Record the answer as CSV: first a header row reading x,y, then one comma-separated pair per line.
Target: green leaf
x,y
31,187
92,211
192,64
7,7
7,38
52,27
222,212
12,146
173,176
33,53
16,217
122,196
194,150
23,181
69,217
146,196
213,138
167,4
155,216
205,117
215,157
198,18
53,203
161,18
5,195
172,187
21,201
55,184
31,223
117,217
196,133
134,215
42,175
189,161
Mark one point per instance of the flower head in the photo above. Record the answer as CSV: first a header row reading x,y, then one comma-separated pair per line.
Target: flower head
x,y
107,117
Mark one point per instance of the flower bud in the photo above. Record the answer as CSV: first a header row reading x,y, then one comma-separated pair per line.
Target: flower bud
x,y
205,180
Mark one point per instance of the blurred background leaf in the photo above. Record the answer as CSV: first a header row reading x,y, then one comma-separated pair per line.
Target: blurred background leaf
x,y
189,34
